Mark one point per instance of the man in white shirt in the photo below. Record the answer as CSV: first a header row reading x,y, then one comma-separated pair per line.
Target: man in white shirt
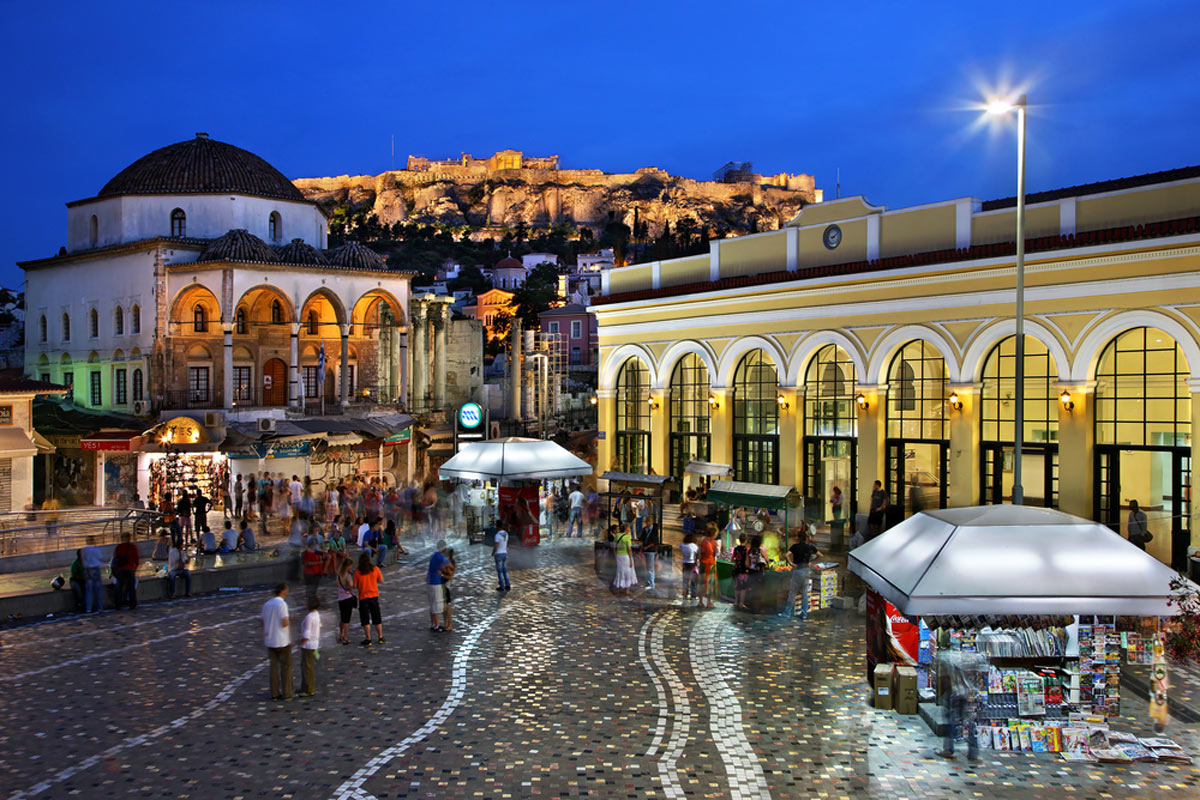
x,y
296,490
500,556
310,638
229,538
277,637
363,527
576,499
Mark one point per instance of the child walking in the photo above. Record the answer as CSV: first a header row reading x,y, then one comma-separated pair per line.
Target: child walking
x,y
310,638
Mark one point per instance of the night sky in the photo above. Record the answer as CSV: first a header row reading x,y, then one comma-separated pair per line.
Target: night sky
x,y
882,91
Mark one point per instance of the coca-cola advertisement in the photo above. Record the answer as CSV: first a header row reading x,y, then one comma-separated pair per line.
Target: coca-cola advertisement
x,y
517,507
891,636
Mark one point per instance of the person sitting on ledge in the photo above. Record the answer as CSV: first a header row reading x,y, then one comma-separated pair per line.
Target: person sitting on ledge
x,y
246,540
208,542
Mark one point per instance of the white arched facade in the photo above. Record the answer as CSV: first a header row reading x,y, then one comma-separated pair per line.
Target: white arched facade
x,y
735,352
885,349
613,364
986,340
807,348
677,351
1087,355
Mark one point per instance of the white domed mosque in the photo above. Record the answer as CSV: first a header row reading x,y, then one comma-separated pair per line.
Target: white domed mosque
x,y
198,278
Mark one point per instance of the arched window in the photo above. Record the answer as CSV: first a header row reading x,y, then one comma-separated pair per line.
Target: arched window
x,y
1142,396
829,408
917,393
93,231
119,321
138,390
66,327
276,312
997,414
94,324
312,322
199,319
178,222
135,319
42,333
239,321
756,420
690,413
633,417
274,226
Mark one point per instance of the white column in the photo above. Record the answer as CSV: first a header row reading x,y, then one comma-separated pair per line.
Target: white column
x,y
227,382
344,368
419,360
294,399
405,370
440,320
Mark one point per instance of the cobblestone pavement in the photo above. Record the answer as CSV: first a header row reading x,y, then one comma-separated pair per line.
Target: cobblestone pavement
x,y
557,689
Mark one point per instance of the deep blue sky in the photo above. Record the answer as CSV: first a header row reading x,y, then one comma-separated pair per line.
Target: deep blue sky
x,y
880,90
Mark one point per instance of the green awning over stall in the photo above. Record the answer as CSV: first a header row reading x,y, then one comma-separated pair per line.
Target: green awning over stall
x,y
754,495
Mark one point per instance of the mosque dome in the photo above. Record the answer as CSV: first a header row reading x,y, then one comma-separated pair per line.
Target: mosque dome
x,y
354,255
239,245
298,251
202,166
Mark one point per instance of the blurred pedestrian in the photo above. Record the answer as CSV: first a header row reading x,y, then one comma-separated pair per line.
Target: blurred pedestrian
x,y
366,583
433,582
500,557
310,638
347,601
277,637
447,574
126,560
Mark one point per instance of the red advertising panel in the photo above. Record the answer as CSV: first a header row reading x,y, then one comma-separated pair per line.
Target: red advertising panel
x,y
891,636
517,507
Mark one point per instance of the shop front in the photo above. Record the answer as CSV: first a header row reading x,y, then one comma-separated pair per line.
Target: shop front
x,y
180,455
116,465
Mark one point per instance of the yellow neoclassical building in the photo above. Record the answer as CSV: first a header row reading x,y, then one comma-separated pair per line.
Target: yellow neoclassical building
x,y
860,343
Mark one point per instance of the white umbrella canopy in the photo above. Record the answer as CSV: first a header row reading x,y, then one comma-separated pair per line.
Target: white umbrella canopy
x,y
1003,559
514,458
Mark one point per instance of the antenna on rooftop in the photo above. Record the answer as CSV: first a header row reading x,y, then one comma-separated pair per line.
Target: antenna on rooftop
x,y
838,191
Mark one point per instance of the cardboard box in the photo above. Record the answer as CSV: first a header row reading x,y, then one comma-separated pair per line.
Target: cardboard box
x,y
884,699
906,690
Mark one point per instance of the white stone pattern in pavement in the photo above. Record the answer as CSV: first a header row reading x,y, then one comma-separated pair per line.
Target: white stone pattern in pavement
x,y
682,717
664,709
744,772
353,789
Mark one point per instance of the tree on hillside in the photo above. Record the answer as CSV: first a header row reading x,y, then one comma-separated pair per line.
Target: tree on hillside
x,y
470,278
539,293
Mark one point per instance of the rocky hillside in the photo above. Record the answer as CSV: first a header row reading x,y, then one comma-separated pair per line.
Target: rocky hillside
x,y
486,201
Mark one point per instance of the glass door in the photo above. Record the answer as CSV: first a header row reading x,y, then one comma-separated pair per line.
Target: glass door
x,y
1159,480
1039,474
830,462
918,474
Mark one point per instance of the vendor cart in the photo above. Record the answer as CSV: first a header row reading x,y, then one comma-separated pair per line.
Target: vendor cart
x,y
650,489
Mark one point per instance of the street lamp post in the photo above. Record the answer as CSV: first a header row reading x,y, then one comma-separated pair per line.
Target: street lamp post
x,y
1003,107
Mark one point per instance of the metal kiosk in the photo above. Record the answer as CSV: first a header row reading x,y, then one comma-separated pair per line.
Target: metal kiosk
x,y
774,585
621,485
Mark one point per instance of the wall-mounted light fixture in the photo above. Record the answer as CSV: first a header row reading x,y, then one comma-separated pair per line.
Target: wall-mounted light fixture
x,y
593,399
782,402
1067,402
650,401
955,401
712,403
861,399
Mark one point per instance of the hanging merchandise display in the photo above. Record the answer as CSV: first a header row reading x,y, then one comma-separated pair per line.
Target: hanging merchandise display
x,y
176,472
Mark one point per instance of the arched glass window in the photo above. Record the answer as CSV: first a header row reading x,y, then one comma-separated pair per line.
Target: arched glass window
x,y
756,420
829,408
178,222
66,327
138,390
997,414
94,323
199,319
276,312
93,231
42,332
917,393
119,321
690,413
312,322
998,393
239,321
633,417
135,319
273,226
1142,396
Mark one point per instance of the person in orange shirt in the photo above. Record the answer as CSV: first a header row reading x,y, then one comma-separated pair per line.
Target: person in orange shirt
x,y
366,581
708,567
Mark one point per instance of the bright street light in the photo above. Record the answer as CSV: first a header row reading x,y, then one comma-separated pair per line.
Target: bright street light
x,y
998,107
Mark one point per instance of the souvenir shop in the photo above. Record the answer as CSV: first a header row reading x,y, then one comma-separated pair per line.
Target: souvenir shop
x,y
179,455
960,589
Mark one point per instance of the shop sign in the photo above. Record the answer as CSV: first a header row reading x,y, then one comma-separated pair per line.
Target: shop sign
x,y
275,450
470,416
105,444
181,430
402,437
5,415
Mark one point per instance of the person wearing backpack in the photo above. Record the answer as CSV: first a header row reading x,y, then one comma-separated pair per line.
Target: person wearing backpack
x,y
1137,526
741,572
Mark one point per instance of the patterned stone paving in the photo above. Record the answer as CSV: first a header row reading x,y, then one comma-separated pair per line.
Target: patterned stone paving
x,y
557,689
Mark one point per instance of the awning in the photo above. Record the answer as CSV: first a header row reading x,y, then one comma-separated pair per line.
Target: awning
x,y
341,439
514,458
16,442
116,440
707,468
1003,559
756,495
43,444
636,479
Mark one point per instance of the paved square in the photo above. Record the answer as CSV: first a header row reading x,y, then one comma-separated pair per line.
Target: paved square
x,y
556,689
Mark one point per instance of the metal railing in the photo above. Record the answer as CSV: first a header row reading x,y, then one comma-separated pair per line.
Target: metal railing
x,y
26,532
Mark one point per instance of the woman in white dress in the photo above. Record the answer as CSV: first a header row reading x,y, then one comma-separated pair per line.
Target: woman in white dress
x,y
626,577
